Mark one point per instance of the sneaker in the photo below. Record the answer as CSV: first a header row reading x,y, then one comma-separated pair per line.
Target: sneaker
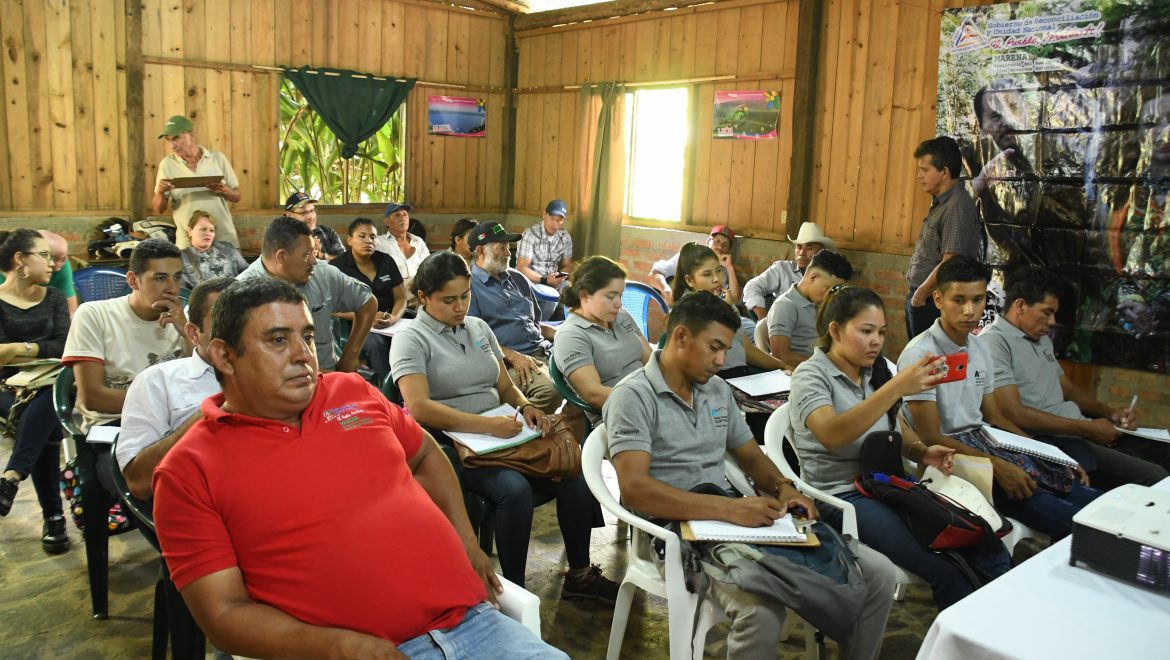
x,y
593,586
8,488
54,539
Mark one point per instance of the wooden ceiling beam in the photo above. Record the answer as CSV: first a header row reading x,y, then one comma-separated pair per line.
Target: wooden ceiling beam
x,y
599,11
519,7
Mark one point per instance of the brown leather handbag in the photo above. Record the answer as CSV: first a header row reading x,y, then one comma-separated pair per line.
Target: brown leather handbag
x,y
554,456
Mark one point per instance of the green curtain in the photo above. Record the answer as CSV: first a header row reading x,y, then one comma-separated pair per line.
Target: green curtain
x,y
602,171
353,108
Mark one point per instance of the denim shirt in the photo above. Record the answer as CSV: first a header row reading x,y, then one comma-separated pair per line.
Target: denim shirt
x,y
509,307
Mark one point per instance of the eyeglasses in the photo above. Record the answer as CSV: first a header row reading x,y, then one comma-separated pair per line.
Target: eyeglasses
x,y
45,254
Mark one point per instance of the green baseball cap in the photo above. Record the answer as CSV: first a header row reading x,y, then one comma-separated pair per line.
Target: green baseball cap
x,y
176,125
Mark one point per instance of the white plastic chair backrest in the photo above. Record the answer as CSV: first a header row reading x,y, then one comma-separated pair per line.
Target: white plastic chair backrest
x,y
594,451
776,433
736,476
762,339
518,603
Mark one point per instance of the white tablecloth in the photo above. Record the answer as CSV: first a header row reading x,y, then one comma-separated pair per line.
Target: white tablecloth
x,y
1047,609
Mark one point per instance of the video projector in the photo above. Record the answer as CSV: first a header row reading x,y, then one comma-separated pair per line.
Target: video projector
x,y
1125,534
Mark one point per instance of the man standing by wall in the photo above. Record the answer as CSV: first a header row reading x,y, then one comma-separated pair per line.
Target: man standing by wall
x,y
951,227
191,159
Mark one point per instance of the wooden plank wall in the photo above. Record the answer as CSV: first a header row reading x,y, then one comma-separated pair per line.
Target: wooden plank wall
x,y
876,101
235,109
63,132
62,141
877,94
744,183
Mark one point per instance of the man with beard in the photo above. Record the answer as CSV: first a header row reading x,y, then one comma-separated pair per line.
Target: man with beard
x,y
503,297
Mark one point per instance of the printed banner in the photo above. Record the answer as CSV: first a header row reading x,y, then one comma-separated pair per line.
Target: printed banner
x,y
457,116
746,115
1064,107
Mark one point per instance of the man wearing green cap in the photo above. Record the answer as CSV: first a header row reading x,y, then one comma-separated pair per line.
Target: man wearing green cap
x,y
189,159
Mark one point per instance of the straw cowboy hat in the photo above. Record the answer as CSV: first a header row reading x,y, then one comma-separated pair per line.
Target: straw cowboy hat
x,y
810,233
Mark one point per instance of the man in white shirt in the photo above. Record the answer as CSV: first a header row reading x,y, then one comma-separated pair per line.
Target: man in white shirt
x,y
163,401
407,250
111,341
190,159
762,290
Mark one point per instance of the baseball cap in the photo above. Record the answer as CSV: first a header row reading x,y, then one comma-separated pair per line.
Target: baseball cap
x,y
176,125
296,200
489,232
725,230
397,206
557,207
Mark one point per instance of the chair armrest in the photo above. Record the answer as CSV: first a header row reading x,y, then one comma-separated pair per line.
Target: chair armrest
x,y
518,603
848,512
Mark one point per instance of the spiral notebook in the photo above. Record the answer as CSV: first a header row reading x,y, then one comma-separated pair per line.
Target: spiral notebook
x,y
1028,446
780,532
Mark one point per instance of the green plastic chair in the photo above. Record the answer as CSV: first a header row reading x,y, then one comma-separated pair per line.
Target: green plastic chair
x,y
568,394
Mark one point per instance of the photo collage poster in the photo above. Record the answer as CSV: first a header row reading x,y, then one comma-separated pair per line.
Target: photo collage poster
x,y
1064,107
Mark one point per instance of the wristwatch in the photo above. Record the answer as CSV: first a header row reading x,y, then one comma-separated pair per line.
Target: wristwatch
x,y
28,349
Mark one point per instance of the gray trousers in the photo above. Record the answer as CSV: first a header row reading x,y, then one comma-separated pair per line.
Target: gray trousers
x,y
756,621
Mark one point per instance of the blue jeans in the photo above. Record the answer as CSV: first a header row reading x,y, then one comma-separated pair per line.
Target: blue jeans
x,y
883,529
37,451
514,496
376,351
483,633
919,319
1045,511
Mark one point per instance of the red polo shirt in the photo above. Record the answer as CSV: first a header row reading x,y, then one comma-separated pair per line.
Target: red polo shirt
x,y
325,522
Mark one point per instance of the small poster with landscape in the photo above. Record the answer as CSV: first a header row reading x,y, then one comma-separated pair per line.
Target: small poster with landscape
x,y
457,116
745,115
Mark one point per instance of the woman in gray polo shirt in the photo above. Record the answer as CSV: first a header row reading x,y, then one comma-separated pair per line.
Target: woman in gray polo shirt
x,y
843,393
449,369
598,344
699,270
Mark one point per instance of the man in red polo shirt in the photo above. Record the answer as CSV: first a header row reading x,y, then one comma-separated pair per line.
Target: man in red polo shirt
x,y
305,515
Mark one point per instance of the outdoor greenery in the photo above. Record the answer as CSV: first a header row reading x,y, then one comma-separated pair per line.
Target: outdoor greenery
x,y
310,157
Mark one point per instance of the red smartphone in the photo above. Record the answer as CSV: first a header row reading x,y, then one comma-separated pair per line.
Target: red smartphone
x,y
954,366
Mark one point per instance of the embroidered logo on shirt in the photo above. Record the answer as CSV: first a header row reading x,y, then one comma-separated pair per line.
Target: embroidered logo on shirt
x,y
483,345
346,416
980,381
719,416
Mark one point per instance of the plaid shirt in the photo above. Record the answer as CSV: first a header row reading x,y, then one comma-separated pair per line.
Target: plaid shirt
x,y
951,226
543,251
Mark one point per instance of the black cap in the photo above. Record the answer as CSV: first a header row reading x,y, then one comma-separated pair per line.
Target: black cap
x,y
397,206
489,232
297,199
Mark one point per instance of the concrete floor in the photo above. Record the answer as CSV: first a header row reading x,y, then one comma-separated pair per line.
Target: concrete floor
x,y
44,599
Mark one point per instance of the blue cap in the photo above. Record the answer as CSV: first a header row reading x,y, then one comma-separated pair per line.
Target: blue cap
x,y
557,207
397,206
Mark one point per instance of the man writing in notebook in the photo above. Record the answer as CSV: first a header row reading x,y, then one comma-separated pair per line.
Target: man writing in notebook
x,y
1033,391
669,426
1039,493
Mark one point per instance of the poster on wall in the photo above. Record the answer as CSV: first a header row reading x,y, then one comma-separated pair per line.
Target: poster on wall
x,y
1063,107
746,115
457,116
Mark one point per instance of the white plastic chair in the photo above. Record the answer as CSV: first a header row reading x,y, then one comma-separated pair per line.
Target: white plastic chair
x,y
762,339
518,603
643,572
776,434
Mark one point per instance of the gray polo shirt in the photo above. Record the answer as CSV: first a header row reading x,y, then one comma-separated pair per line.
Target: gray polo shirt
x,y
818,382
686,443
461,364
795,317
615,352
958,402
328,291
1029,365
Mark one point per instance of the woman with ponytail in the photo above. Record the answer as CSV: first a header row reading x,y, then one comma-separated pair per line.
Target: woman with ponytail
x,y
598,344
699,270
846,391
34,321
